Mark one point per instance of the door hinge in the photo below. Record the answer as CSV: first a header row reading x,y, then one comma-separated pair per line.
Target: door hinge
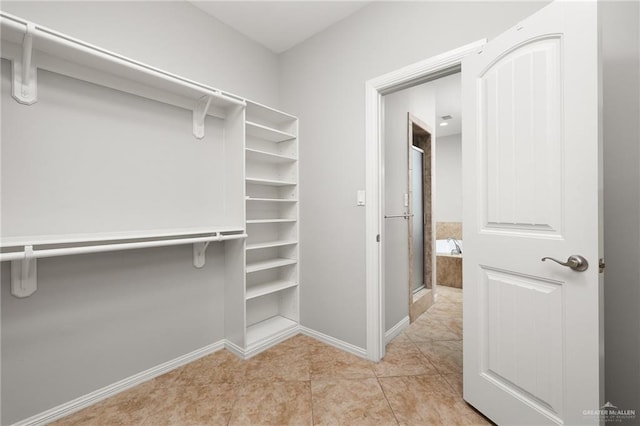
x,y
378,238
601,264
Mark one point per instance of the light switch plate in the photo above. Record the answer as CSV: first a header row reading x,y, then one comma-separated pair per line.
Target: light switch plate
x,y
361,198
406,200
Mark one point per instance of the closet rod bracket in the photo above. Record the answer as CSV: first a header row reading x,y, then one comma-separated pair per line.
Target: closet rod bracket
x,y
199,251
24,274
199,114
25,88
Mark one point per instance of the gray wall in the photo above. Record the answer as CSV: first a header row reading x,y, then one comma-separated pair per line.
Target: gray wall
x,y
97,319
448,195
419,101
322,82
621,57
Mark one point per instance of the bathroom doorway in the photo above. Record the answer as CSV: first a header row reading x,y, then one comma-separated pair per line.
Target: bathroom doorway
x,y
422,198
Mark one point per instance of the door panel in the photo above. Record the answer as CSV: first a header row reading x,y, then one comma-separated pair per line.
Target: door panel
x,y
531,188
523,324
521,98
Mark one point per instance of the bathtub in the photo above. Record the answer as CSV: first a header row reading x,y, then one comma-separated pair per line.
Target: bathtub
x,y
444,248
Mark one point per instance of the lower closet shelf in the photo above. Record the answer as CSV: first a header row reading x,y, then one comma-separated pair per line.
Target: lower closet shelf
x,y
254,221
268,264
279,243
268,288
268,328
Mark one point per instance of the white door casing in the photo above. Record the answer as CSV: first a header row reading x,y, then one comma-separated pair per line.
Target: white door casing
x,y
532,188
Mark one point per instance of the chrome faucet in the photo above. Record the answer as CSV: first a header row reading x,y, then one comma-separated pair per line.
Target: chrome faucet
x,y
456,250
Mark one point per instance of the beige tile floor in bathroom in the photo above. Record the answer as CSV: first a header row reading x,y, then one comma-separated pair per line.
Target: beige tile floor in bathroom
x,y
302,381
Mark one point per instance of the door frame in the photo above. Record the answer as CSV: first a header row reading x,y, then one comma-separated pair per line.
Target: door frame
x,y
421,72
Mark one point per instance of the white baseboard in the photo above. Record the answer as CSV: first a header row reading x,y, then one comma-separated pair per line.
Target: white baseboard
x,y
348,347
396,329
85,401
234,349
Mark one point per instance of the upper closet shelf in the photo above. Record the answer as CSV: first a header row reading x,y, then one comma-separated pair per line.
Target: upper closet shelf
x,y
268,157
267,133
273,200
269,182
30,46
263,265
260,113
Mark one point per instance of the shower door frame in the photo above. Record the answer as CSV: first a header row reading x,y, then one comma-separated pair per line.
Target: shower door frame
x,y
420,300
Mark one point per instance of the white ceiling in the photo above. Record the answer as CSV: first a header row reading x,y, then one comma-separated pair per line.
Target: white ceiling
x,y
279,25
448,102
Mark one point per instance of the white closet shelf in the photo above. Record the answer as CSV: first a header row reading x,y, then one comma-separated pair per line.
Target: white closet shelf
x,y
270,287
31,46
64,245
114,236
258,221
24,266
269,182
268,328
273,200
267,133
268,157
271,244
263,265
266,114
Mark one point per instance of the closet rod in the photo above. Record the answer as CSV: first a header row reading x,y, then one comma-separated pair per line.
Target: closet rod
x,y
20,255
52,36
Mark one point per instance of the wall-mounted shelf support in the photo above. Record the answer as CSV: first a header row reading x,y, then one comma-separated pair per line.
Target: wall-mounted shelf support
x,y
25,88
199,251
199,114
24,274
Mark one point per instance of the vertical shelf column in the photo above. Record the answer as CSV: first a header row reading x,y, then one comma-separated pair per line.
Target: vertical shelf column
x,y
272,253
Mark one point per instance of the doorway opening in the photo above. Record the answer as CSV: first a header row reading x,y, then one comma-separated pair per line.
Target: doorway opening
x,y
427,70
423,198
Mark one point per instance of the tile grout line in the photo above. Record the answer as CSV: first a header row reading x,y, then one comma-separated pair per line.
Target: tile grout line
x,y
450,385
235,401
310,361
387,399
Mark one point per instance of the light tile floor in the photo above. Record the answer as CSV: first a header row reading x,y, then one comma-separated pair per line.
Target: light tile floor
x,y
303,381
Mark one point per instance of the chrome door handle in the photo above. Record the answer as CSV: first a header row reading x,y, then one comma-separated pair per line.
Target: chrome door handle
x,y
575,262
404,216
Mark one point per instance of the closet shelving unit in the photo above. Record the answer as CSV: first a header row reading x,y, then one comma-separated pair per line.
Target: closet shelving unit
x,y
254,212
272,253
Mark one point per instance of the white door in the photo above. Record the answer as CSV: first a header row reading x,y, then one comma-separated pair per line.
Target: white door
x,y
531,179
